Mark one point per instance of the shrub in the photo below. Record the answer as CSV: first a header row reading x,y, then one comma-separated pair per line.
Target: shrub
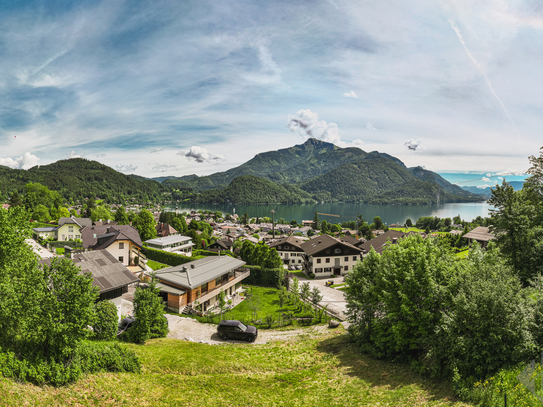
x,y
106,322
312,275
265,277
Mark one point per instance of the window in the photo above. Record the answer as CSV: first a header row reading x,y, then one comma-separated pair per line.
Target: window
x,y
279,247
318,270
346,259
121,259
70,237
327,269
337,251
121,245
346,268
218,281
318,260
204,288
299,261
327,260
328,251
70,229
354,258
78,236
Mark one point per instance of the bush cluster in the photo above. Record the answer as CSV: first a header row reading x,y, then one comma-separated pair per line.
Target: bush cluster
x,y
265,277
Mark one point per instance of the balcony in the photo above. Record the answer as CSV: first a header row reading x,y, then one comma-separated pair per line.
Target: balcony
x,y
239,275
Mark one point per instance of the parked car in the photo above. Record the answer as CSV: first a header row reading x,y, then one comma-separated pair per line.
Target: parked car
x,y
291,268
231,329
298,267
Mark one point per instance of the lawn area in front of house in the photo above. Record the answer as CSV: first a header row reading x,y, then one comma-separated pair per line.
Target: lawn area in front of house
x,y
155,265
263,304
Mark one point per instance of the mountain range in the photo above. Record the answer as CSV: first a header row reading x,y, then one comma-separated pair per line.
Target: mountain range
x,y
317,170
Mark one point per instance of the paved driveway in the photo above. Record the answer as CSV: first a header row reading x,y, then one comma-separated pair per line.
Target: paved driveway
x,y
39,250
335,299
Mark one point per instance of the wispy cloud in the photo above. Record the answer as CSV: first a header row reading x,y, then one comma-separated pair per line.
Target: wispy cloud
x,y
369,126
351,94
413,145
156,151
74,155
126,168
164,167
201,155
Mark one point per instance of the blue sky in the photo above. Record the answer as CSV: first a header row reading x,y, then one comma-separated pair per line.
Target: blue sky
x,y
180,87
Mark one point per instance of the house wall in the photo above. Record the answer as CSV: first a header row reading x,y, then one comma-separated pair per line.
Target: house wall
x,y
177,302
65,233
292,258
117,252
352,260
52,234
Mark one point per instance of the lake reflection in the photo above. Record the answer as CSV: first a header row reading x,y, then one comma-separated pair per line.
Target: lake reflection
x,y
388,213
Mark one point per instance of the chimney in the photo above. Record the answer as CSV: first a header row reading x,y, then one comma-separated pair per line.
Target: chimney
x,y
394,240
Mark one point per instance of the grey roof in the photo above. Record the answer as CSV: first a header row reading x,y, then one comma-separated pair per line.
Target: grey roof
x,y
163,241
81,222
169,289
45,229
108,272
480,233
293,240
199,271
323,242
89,235
378,243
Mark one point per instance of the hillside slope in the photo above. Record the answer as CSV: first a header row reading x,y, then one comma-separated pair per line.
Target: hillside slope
x,y
78,178
254,190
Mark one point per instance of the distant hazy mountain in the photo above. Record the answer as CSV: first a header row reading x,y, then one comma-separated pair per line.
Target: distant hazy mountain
x,y
183,178
517,186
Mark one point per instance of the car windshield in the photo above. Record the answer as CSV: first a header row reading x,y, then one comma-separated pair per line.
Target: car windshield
x,y
123,324
242,327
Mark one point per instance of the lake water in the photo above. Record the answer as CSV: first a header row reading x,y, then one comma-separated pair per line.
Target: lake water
x,y
348,211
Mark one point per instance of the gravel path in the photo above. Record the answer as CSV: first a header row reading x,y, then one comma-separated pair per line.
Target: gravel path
x,y
189,329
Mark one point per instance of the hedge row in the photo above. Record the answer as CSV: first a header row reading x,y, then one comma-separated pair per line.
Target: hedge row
x,y
265,277
211,253
171,259
70,243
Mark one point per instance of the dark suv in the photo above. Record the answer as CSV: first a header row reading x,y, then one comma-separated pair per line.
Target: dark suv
x,y
237,330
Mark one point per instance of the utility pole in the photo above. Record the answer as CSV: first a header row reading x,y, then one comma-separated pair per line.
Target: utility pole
x,y
273,223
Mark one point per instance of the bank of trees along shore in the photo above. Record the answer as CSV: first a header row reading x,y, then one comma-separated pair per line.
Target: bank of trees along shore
x,y
467,321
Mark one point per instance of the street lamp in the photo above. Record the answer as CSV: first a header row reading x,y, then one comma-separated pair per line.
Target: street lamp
x,y
273,224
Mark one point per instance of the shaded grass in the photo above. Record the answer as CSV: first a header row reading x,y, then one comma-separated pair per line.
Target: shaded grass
x,y
406,230
316,371
300,274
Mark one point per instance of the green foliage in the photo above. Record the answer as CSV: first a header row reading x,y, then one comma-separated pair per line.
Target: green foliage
x,y
305,291
315,295
408,223
101,212
106,321
489,323
41,214
260,255
121,216
265,277
149,313
145,225
173,259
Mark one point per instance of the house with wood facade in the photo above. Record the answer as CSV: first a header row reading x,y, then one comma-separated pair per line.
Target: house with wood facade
x,y
328,256
199,282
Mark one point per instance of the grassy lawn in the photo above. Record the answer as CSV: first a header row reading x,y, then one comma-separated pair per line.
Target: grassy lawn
x,y
155,265
300,274
338,285
343,288
406,230
266,301
60,251
326,370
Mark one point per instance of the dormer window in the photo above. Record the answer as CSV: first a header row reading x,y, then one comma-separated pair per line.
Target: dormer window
x,y
337,251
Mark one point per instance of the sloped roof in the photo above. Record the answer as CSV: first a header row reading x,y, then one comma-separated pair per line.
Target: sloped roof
x,y
166,240
481,234
81,222
378,243
323,242
199,271
293,240
108,272
90,234
352,240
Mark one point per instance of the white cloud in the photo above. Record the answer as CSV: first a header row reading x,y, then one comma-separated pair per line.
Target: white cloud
x,y
369,126
201,155
24,162
358,142
126,168
156,151
307,124
485,179
500,178
351,94
413,145
163,167
74,155
489,175
100,155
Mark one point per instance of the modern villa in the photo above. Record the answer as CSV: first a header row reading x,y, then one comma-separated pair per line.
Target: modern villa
x,y
173,243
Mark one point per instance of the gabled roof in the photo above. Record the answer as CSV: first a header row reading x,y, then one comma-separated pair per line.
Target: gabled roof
x,y
225,244
351,240
90,234
293,240
45,229
195,273
480,233
81,222
323,242
108,272
163,229
378,243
